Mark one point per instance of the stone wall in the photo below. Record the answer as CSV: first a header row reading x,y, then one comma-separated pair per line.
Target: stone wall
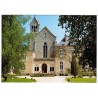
x,y
41,38
40,63
66,59
28,63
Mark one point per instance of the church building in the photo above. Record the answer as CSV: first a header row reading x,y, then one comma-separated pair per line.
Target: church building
x,y
46,56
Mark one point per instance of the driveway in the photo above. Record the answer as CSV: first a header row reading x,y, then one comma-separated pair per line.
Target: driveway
x,y
50,79
56,79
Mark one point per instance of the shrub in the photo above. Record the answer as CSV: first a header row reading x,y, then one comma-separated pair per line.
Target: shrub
x,y
74,66
88,73
42,75
35,75
66,74
68,80
94,73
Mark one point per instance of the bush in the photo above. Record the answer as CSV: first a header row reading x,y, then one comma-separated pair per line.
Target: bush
x,y
66,74
94,73
90,75
80,75
68,80
68,71
42,75
35,75
74,66
87,73
12,76
80,71
33,80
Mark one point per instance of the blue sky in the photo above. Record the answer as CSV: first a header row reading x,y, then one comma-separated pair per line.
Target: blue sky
x,y
51,22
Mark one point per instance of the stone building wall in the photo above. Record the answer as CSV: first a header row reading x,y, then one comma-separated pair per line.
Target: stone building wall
x,y
42,37
40,63
28,64
66,59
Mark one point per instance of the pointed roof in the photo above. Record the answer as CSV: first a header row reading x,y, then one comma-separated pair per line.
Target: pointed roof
x,y
48,31
35,20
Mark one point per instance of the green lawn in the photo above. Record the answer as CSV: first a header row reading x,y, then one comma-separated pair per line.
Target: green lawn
x,y
18,80
82,80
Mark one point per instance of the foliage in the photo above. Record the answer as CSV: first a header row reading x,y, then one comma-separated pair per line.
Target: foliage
x,y
68,71
87,73
42,75
82,32
74,66
14,42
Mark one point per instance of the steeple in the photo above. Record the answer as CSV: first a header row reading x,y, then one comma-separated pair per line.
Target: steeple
x,y
34,25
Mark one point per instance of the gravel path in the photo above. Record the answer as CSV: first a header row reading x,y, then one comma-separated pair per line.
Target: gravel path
x,y
55,79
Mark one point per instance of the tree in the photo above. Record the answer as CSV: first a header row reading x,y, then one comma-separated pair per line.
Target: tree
x,y
82,32
15,42
74,66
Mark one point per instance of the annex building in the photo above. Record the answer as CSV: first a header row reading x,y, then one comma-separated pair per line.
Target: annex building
x,y
45,55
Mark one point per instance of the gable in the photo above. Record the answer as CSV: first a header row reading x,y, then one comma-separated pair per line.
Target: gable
x,y
46,31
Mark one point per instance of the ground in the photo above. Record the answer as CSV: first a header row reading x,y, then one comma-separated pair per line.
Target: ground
x,y
61,79
56,79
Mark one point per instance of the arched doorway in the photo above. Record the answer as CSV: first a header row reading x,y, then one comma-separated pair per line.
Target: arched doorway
x,y
44,68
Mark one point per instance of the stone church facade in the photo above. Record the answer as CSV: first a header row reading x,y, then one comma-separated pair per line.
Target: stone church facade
x,y
45,55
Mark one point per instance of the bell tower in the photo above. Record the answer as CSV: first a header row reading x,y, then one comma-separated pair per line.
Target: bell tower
x,y
34,25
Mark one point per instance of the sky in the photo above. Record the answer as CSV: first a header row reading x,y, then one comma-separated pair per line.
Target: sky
x,y
51,22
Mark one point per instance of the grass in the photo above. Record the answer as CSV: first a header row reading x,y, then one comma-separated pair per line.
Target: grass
x,y
82,80
15,79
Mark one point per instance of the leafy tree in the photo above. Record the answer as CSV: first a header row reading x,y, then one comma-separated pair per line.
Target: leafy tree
x,y
74,66
82,32
15,42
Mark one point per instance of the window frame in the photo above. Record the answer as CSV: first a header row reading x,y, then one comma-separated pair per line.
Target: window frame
x,y
45,50
61,52
52,69
36,68
61,65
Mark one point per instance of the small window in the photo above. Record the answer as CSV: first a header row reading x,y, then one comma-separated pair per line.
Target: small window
x,y
61,52
61,65
32,27
36,68
45,50
45,35
51,68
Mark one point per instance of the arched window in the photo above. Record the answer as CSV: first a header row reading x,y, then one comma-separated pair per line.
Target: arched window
x,y
34,29
45,50
61,65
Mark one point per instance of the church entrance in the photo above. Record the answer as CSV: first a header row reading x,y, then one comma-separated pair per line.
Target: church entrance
x,y
44,68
